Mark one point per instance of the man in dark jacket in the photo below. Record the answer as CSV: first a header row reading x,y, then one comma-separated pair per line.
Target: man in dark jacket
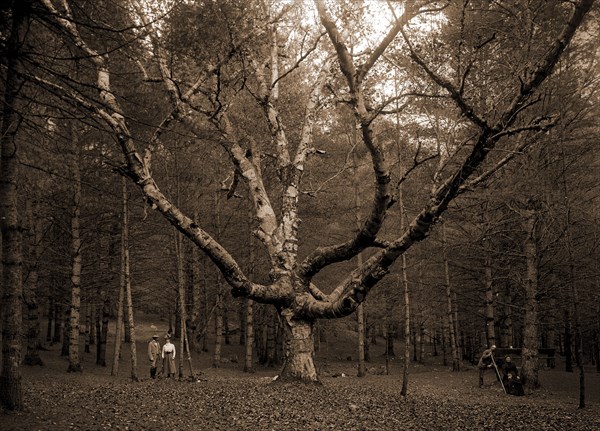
x,y
510,378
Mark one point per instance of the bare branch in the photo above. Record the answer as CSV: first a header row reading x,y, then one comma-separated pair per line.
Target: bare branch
x,y
455,94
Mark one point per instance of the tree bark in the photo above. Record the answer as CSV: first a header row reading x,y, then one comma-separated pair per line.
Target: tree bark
x,y
249,340
574,291
298,349
32,356
530,319
490,320
11,391
76,258
126,283
216,363
179,258
118,331
449,306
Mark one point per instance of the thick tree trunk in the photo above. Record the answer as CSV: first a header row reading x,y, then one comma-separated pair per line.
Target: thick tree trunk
x,y
298,349
11,392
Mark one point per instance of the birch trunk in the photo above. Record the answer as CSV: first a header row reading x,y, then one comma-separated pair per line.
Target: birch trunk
x,y
298,349
126,283
118,331
360,311
249,321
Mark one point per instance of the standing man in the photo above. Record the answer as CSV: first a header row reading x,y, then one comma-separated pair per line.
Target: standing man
x,y
154,352
486,362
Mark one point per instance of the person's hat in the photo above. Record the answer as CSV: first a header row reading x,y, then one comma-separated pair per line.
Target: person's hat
x,y
155,336
507,359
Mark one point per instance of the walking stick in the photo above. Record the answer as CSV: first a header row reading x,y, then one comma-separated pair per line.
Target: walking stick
x,y
498,373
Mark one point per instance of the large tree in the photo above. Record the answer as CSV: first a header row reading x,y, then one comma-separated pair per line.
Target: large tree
x,y
258,53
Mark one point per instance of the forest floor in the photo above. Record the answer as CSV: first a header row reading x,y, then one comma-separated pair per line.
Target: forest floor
x,y
226,398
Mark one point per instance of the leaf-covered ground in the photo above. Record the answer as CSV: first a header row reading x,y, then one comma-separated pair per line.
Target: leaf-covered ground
x,y
227,399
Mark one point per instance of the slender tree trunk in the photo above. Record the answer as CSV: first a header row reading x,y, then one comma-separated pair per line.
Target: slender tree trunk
x,y
32,356
181,289
449,305
241,309
490,321
226,319
196,311
88,324
76,258
422,343
445,329
218,326
568,341
118,331
66,321
367,329
530,320
574,291
406,297
58,320
102,320
126,283
249,360
249,321
50,316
